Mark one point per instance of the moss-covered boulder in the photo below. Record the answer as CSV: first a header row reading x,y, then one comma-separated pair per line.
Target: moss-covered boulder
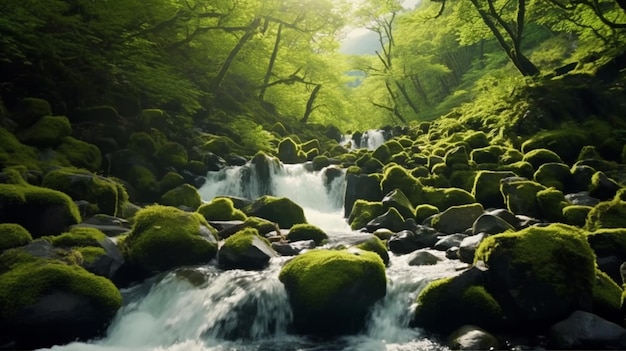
x,y
457,219
487,155
382,154
361,186
45,302
364,211
555,175
551,202
288,151
183,195
424,211
49,131
607,214
13,235
143,180
31,109
391,219
170,181
107,195
456,159
165,237
607,298
449,303
221,209
280,210
172,155
603,187
521,196
400,202
540,156
486,188
376,245
539,275
398,177
81,154
443,198
142,143
41,211
565,142
306,232
520,168
14,153
608,242
320,162
331,292
576,214
245,249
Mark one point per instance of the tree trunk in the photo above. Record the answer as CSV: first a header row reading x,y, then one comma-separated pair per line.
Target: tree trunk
x,y
309,104
270,66
406,97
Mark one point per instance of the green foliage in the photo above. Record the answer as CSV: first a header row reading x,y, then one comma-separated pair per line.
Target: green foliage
x,y
13,235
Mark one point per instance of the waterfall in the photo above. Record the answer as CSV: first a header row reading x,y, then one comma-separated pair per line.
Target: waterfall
x,y
370,139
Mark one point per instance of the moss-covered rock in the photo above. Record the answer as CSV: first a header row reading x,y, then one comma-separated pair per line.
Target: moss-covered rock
x,y
487,155
331,292
565,142
142,143
310,145
183,195
170,181
424,211
520,168
245,250
521,196
220,145
81,154
280,210
400,202
608,214
607,298
376,245
551,202
382,153
556,175
456,159
603,187
540,274
49,131
443,198
106,194
576,214
41,211
31,109
398,177
279,129
306,232
13,152
486,188
364,211
608,242
154,118
320,162
172,155
288,151
540,156
221,209
457,219
165,237
13,235
476,139
144,181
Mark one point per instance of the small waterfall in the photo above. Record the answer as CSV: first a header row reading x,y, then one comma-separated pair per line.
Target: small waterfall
x,y
370,139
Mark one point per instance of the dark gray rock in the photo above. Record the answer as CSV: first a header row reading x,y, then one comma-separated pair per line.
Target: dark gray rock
x,y
506,215
396,198
294,248
254,257
457,219
490,224
109,225
448,241
582,198
468,247
390,220
470,337
213,162
360,186
407,241
422,258
581,177
452,253
603,187
236,160
584,330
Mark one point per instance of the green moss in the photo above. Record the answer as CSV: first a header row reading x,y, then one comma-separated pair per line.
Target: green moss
x,y
310,145
377,246
603,187
521,197
172,155
354,170
28,281
280,210
81,154
13,152
556,175
306,232
183,195
79,236
373,165
443,198
49,131
540,156
364,211
486,188
220,145
142,143
607,297
154,118
424,211
457,158
476,139
263,226
241,241
576,214
26,204
521,169
288,151
398,177
91,253
608,242
463,179
13,235
511,156
565,142
320,162
551,202
170,181
221,209
142,179
382,153
79,184
165,237
608,214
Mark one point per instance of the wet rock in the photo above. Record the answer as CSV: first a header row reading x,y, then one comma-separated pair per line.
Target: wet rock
x,y
422,258
236,160
360,186
245,250
294,248
506,215
584,330
213,162
407,241
603,187
470,337
468,247
582,198
391,220
383,233
109,225
397,199
448,241
457,218
490,224
452,253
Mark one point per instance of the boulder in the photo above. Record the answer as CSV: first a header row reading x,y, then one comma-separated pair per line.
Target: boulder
x,y
582,198
221,209
30,110
288,151
422,258
13,235
306,232
263,226
363,212
521,196
490,224
171,154
470,337
331,292
486,188
294,248
448,241
608,214
603,187
553,174
374,244
457,219
245,250
391,220
581,177
165,237
111,226
280,210
506,215
538,157
551,202
400,202
81,154
584,330
363,187
407,241
47,132
468,246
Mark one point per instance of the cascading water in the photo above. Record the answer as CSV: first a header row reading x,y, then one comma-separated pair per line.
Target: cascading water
x,y
370,139
207,309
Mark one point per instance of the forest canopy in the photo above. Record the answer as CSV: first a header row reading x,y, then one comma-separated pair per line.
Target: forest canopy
x,y
204,59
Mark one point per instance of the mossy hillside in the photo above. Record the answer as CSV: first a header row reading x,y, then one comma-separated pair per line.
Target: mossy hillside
x,y
364,211
183,195
607,214
321,285
80,154
221,209
486,188
13,235
80,184
555,260
374,244
306,232
48,132
165,237
40,210
280,210
31,278
576,214
442,299
551,202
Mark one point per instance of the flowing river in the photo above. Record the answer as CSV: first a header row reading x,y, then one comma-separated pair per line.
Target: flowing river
x,y
207,309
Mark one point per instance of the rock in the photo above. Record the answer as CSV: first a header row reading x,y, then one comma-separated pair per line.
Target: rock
x,y
263,166
582,198
490,224
245,250
383,233
363,212
263,226
424,211
608,214
581,177
551,202
603,187
360,187
391,220
173,155
236,160
486,188
288,151
164,237
506,215
538,157
448,241
374,244
215,163
553,174
294,248
407,241
610,265
13,235
329,174
470,337
41,211
221,209
583,330
468,246
422,258
47,132
81,154
521,196
183,195
331,292
457,219
280,210
110,225
452,253
300,232
539,274
30,110
400,202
